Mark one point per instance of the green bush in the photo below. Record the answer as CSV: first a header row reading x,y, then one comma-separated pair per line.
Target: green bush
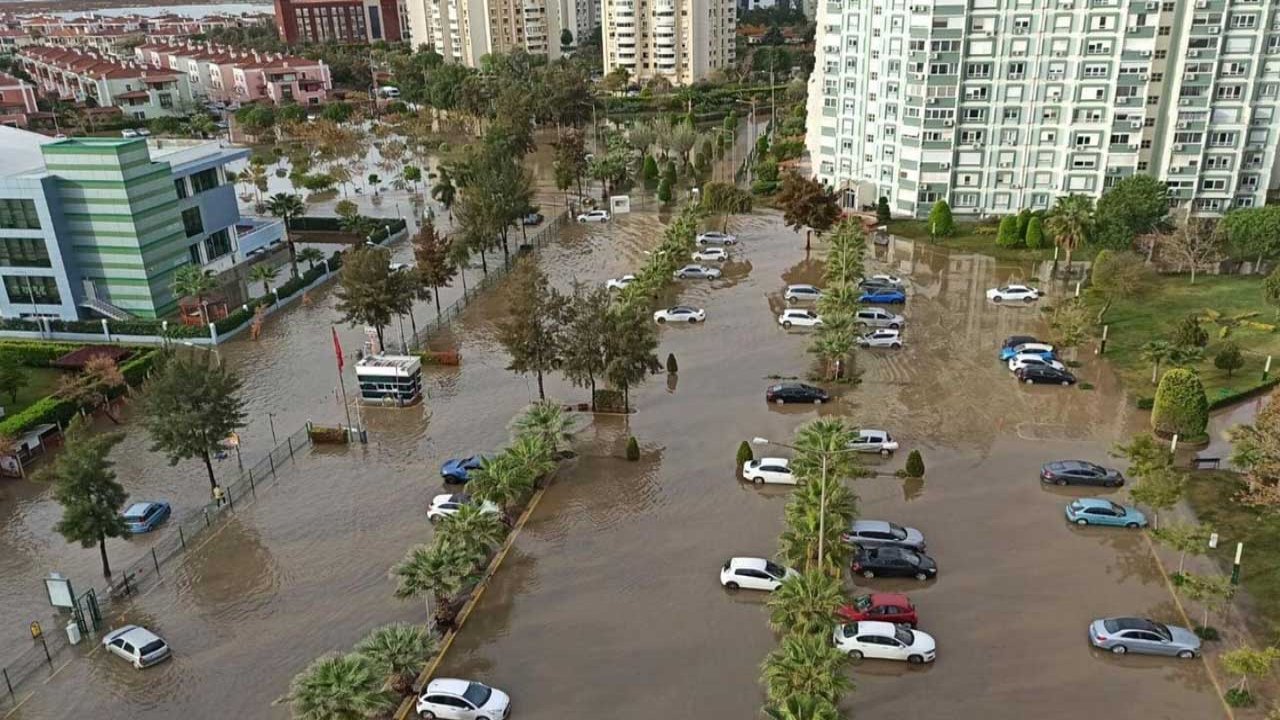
x,y
1229,358
1237,697
940,221
1035,233
1008,236
1145,403
744,454
609,401
32,353
1189,333
1180,405
664,190
633,449
915,465
48,409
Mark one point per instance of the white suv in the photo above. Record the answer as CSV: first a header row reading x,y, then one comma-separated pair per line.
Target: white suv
x,y
802,293
874,441
877,317
799,318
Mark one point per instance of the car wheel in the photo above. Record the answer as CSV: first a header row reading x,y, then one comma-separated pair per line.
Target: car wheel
x,y
817,401
433,519
758,480
1066,383
427,715
1082,521
1061,482
779,401
791,301
1119,649
996,299
787,325
1132,525
868,573
855,654
1027,300
662,320
896,346
885,452
1030,381
915,659
1186,654
921,576
731,585
894,326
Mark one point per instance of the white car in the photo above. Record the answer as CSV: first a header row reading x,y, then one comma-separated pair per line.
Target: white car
x,y
802,293
711,254
129,133
680,313
775,471
1022,360
716,238
442,506
451,699
619,283
1014,293
136,644
881,339
885,641
878,317
697,272
751,573
885,280
874,441
799,318
594,216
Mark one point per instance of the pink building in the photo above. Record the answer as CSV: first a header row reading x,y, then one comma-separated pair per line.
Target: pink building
x,y
17,101
226,75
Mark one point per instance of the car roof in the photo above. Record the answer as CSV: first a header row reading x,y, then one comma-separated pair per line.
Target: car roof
x,y
1132,623
802,287
803,312
134,634
450,686
1015,340
748,563
870,525
1028,356
886,551
890,599
775,461
1095,502
138,508
1068,464
875,627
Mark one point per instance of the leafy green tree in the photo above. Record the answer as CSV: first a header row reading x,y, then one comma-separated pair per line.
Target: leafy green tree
x,y
566,39
264,273
1070,223
1024,221
339,687
1180,405
744,454
807,203
664,190
1185,538
941,224
1136,205
1246,662
444,191
369,292
630,348
1211,591
1146,455
1255,450
432,261
725,199
915,465
1253,233
398,651
1188,333
883,213
85,485
650,172
194,282
805,664
805,603
1229,357
12,379
1271,290
94,387
1035,233
1008,236
669,174
190,407
1159,489
1119,275
412,173
584,338
531,332
287,207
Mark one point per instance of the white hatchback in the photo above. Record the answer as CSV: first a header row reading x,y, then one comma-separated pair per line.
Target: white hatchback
x,y
442,506
1021,360
136,644
1014,293
716,238
450,699
885,641
802,293
881,339
711,254
619,283
774,471
799,318
750,573
594,216
873,441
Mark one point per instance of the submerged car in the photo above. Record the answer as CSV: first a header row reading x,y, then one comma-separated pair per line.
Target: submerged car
x,y
885,607
711,254
1044,350
697,272
716,238
775,471
443,506
619,283
143,517
876,317
456,471
893,562
1014,293
884,641
1079,472
450,699
1022,360
1100,511
794,392
881,339
799,318
594,216
751,573
883,296
801,293
873,441
1123,635
138,645
680,313
879,533
1043,374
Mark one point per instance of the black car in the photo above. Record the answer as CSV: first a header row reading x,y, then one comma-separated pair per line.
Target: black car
x,y
894,562
1015,340
1079,472
795,393
1037,374
534,218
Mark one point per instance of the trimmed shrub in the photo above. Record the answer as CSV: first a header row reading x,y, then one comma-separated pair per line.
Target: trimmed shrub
x,y
633,449
672,366
48,409
1189,333
1145,403
1180,405
744,454
664,190
1035,233
32,353
915,465
940,221
609,401
883,213
1008,236
1024,222
328,435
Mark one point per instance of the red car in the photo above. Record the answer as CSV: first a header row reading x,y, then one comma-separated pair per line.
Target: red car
x,y
885,607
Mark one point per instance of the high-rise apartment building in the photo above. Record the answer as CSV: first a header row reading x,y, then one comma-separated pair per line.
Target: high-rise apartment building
x,y
464,31
996,105
679,40
343,22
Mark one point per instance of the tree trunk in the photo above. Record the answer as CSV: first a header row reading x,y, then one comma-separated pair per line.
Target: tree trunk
x,y
208,466
1105,307
808,237
542,395
1193,273
102,550
381,345
435,291
413,325
506,256
293,251
626,398
1155,372
484,264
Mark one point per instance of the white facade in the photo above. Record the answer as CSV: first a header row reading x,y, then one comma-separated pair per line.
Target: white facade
x,y
679,40
996,105
464,31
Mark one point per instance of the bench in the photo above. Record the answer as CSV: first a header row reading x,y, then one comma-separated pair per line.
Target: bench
x,y
1206,463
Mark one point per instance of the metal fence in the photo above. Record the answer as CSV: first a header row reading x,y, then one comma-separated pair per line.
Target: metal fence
x,y
181,534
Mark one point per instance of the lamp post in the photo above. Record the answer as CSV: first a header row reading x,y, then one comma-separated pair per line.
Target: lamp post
x,y
822,502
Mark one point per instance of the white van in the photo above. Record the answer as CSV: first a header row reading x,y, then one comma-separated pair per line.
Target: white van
x,y
388,91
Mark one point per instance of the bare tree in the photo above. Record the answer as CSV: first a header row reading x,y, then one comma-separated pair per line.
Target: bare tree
x,y
1196,243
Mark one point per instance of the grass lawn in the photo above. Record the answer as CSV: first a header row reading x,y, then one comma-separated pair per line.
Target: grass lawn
x,y
1211,494
1138,321
40,382
966,239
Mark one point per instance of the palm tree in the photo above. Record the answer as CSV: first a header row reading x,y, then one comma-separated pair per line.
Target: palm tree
x,y
503,481
311,256
805,603
805,664
339,687
445,192
287,206
192,281
435,572
833,342
1157,352
1070,222
548,421
257,176
398,651
803,707
829,438
534,454
798,544
473,528
265,274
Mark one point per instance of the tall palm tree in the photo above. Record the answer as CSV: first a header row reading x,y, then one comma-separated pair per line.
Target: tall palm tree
x,y
192,281
257,176
803,707
339,687
445,192
798,543
1157,352
838,297
287,206
473,528
833,342
1070,222
398,651
534,454
264,273
311,256
805,664
501,480
829,437
435,572
548,421
806,603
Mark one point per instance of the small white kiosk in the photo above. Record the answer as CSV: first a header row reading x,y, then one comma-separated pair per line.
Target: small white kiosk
x,y
390,380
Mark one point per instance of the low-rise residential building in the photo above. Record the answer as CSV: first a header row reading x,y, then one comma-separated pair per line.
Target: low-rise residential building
x,y
17,101
91,78
11,39
97,226
227,75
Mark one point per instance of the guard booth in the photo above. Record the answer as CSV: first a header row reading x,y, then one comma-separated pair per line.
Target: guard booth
x,y
390,380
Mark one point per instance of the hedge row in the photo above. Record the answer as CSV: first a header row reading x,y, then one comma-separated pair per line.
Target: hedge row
x,y
32,353
245,312
57,410
333,224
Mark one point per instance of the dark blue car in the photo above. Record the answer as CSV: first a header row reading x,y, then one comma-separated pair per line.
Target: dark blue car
x,y
456,471
143,517
884,296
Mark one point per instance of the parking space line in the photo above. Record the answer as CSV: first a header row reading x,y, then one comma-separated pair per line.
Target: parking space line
x,y
1182,611
18,707
60,669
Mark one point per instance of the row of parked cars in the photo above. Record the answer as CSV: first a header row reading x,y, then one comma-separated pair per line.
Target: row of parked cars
x,y
712,248
885,327
1034,362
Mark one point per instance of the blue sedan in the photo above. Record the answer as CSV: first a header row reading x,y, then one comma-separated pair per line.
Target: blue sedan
x,y
1099,511
457,470
143,517
885,296
1044,350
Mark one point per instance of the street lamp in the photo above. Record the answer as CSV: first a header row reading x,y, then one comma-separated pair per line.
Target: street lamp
x,y
822,509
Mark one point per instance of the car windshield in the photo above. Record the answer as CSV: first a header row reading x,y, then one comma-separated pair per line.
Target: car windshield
x,y
151,647
898,532
903,635
774,569
862,602
477,694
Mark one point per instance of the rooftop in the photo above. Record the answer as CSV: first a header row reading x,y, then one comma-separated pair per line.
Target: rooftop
x,y
21,151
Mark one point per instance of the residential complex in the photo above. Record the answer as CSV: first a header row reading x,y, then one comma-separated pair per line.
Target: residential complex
x,y
90,78
108,34
346,22
17,101
681,41
995,106
464,31
97,226
227,75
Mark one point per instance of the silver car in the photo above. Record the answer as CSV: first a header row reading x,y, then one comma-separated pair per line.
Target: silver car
x,y
802,293
881,339
136,644
876,317
697,271
1123,635
878,533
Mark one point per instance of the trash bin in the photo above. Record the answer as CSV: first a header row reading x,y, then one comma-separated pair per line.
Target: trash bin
x,y
73,633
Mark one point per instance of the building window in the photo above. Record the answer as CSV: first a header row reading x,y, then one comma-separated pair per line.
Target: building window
x,y
191,221
204,180
28,289
180,185
19,215
24,252
217,245
166,100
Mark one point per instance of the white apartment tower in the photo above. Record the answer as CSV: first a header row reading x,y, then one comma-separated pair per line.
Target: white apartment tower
x,y
464,31
996,105
680,40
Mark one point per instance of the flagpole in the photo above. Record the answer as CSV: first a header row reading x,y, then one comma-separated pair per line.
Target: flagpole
x,y
337,348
